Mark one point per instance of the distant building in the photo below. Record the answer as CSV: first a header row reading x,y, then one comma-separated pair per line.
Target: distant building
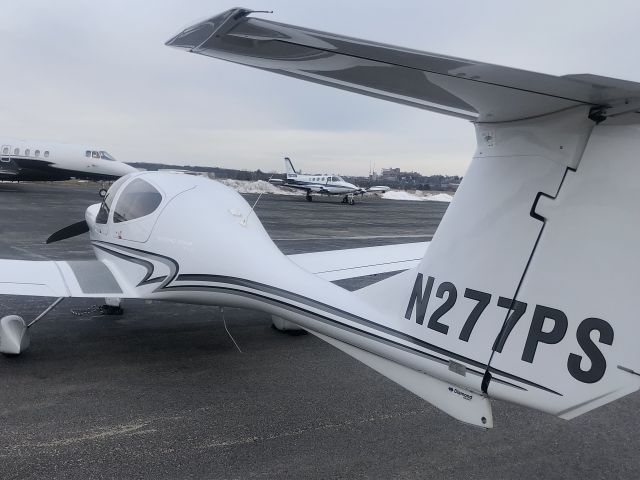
x,y
396,178
390,174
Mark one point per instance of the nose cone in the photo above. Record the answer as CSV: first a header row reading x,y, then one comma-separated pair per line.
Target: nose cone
x,y
91,213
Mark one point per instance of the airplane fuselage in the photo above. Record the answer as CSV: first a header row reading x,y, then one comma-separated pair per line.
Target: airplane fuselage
x,y
325,184
33,160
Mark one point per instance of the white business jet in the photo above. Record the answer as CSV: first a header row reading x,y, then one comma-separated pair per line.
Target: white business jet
x,y
323,184
527,292
34,160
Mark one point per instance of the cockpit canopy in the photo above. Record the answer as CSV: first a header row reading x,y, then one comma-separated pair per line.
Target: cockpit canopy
x,y
138,199
99,154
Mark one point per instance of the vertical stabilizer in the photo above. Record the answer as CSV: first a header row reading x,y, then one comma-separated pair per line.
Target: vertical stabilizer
x,y
288,166
528,290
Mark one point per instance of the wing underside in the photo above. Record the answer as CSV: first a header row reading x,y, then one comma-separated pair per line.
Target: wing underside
x,y
464,88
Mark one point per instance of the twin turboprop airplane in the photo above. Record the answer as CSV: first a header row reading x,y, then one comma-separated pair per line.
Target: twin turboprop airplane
x,y
33,160
527,292
323,184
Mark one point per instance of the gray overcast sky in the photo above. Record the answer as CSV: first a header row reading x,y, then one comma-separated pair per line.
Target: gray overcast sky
x,y
99,73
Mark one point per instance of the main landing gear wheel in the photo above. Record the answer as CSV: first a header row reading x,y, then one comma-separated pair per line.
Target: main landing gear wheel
x,y
286,326
14,337
349,199
14,331
309,197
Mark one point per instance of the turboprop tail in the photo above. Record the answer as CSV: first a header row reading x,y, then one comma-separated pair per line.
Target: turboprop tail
x,y
288,166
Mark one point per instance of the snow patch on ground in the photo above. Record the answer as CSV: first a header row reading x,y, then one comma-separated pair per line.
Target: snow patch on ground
x,y
260,186
417,196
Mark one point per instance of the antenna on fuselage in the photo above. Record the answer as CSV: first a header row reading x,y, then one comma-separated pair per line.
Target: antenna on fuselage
x,y
245,220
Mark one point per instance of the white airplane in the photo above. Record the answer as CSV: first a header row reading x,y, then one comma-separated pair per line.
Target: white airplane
x,y
323,184
34,160
527,292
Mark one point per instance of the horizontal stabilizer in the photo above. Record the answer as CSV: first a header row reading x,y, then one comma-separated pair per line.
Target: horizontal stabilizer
x,y
463,88
466,406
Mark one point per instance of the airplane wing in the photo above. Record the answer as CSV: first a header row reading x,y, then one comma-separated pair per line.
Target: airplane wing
x,y
93,279
378,189
79,278
358,262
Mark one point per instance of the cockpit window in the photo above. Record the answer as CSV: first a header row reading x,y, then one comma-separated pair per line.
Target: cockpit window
x,y
105,156
138,199
103,214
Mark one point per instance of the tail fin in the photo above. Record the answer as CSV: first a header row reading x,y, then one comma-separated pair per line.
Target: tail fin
x,y
291,172
528,290
532,274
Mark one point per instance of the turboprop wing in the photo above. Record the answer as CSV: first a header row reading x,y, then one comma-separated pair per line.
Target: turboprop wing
x,y
531,278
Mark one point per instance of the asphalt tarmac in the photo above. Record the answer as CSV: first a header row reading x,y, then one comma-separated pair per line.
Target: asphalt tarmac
x,y
162,392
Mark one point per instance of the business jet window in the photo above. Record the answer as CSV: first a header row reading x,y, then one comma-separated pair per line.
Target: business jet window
x,y
105,156
95,154
5,150
138,199
37,153
16,151
87,153
46,153
27,152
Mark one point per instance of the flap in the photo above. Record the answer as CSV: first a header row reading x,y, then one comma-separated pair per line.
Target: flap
x,y
81,278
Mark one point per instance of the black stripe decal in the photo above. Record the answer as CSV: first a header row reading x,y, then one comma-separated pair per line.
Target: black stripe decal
x,y
139,261
271,290
327,321
354,318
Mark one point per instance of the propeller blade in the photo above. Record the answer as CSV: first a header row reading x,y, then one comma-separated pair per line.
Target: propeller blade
x,y
70,231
